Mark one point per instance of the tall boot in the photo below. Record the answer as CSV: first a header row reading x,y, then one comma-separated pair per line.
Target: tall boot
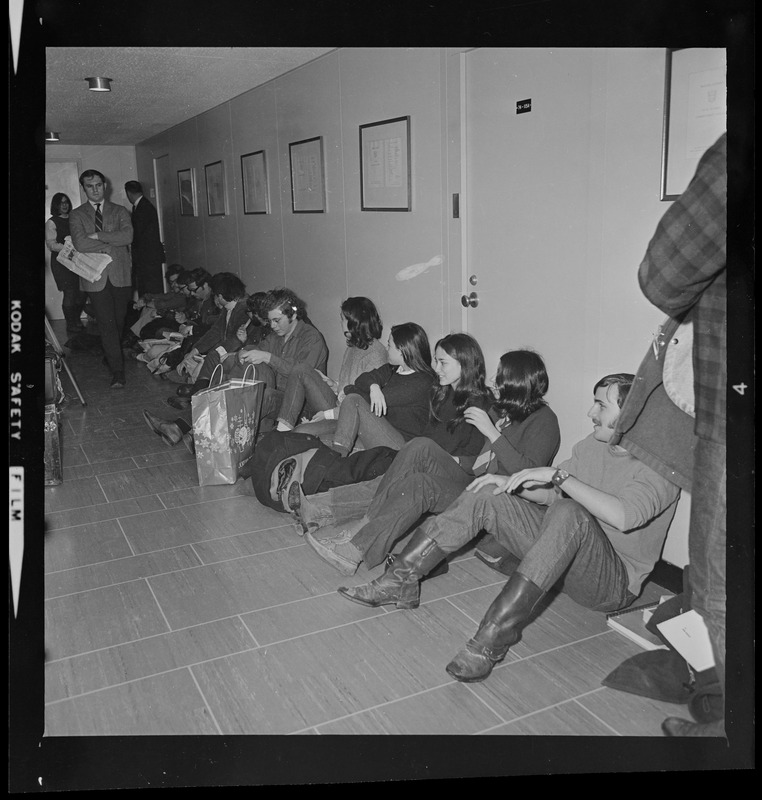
x,y
400,584
499,629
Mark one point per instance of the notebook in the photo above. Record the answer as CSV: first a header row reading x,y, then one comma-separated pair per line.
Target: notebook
x,y
631,622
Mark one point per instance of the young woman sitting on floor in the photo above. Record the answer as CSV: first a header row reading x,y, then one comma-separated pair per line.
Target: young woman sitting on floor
x,y
461,384
389,405
362,329
521,431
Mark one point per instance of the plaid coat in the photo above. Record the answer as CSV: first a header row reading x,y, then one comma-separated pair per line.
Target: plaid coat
x,y
683,274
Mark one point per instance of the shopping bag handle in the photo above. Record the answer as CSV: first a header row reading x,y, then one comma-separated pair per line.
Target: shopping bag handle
x,y
214,374
246,372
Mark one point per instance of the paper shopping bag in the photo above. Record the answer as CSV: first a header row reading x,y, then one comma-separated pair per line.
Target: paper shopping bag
x,y
225,421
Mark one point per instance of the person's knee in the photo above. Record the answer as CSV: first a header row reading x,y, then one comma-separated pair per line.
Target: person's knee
x,y
566,510
300,370
353,400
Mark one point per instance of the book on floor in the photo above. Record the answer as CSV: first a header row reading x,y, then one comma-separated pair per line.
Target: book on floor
x,y
688,634
631,622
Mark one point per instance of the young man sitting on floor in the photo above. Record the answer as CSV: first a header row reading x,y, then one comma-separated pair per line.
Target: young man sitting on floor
x,y
596,523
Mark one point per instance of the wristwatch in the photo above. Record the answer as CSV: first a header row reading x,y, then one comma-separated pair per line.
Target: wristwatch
x,y
559,476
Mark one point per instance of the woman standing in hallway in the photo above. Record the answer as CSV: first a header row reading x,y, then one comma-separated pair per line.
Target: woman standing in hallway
x,y
56,231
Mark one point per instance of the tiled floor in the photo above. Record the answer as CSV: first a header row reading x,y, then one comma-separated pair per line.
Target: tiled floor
x,y
175,609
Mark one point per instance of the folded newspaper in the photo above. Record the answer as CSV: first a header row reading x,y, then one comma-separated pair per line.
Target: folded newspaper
x,y
87,265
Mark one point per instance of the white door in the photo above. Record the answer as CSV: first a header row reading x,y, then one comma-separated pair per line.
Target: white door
x,y
525,178
60,176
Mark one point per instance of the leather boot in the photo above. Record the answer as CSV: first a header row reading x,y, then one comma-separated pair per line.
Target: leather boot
x,y
169,431
499,629
400,583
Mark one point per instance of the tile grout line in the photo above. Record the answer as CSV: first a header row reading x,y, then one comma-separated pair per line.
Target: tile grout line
x,y
212,621
129,544
140,497
592,713
158,604
167,572
548,708
206,702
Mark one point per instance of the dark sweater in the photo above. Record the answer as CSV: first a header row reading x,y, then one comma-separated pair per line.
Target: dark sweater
x,y
464,440
407,397
534,442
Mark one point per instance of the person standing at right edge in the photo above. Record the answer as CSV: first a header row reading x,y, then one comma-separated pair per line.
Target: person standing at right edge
x,y
684,274
99,226
146,250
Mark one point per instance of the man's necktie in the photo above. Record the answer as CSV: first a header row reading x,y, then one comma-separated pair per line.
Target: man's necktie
x,y
133,209
98,218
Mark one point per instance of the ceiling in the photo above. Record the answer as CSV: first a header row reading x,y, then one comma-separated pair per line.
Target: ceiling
x,y
153,88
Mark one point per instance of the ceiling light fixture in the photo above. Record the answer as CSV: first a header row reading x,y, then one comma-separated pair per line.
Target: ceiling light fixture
x,y
99,84
52,136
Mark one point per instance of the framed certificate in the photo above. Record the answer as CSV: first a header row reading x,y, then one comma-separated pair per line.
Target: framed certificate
x,y
216,196
385,179
695,112
186,187
307,176
256,196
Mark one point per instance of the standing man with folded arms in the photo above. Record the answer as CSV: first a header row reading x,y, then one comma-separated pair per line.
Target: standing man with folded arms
x,y
99,226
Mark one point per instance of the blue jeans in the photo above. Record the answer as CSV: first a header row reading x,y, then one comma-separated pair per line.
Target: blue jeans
x,y
560,542
357,423
422,478
706,544
305,384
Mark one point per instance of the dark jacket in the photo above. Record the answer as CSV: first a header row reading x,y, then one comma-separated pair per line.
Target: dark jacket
x,y
222,334
324,468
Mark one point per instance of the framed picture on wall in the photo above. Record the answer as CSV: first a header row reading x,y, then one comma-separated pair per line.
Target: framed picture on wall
x,y
385,176
216,196
256,195
307,176
186,187
695,106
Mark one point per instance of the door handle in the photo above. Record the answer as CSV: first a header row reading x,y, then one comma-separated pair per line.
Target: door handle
x,y
470,300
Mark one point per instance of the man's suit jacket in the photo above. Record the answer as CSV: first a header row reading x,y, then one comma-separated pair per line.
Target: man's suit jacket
x,y
223,335
114,240
147,249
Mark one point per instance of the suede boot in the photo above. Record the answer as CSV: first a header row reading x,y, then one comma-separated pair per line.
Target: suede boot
x,y
400,583
499,629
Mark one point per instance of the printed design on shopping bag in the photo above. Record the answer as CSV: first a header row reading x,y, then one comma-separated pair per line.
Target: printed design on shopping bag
x,y
244,427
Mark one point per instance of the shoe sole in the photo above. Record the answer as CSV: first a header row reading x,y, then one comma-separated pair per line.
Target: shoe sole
x,y
347,569
402,606
463,679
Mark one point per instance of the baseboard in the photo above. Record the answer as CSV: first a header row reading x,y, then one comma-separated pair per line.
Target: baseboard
x,y
668,576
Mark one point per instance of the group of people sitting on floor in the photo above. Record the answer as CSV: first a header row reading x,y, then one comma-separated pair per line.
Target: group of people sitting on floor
x,y
471,458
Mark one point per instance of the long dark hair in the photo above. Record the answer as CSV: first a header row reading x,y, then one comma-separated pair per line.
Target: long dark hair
x,y
522,382
472,388
55,203
363,322
411,340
